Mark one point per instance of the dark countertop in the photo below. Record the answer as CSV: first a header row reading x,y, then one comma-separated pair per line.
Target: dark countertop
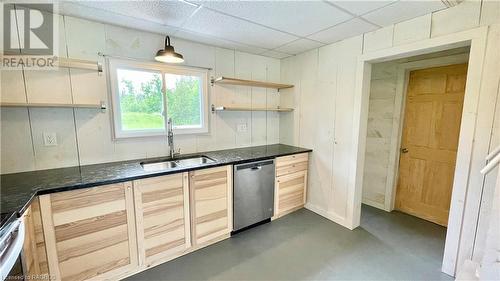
x,y
17,190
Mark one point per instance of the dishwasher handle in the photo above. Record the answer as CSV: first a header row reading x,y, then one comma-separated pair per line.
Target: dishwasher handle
x,y
254,166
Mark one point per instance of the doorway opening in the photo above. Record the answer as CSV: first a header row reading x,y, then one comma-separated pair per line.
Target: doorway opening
x,y
414,117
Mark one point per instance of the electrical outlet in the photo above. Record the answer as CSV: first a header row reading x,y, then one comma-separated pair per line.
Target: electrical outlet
x,y
50,139
241,128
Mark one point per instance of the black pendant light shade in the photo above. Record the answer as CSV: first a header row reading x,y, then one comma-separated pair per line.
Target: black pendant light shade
x,y
168,54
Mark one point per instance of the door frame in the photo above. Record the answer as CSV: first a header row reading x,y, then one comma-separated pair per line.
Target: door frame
x,y
464,170
403,70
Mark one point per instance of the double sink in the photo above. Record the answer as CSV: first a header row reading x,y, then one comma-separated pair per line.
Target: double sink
x,y
181,162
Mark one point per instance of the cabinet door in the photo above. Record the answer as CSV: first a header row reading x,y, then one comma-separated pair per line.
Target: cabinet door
x,y
162,216
89,233
211,201
31,265
34,257
290,164
290,193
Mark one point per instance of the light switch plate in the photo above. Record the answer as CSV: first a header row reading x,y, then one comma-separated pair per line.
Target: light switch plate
x,y
241,128
49,139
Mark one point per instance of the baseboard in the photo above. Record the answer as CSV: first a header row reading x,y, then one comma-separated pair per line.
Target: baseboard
x,y
333,217
374,204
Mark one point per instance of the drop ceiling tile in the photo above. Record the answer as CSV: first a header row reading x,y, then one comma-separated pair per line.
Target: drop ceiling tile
x,y
298,46
344,30
296,17
209,40
276,55
218,25
76,10
403,10
361,7
173,13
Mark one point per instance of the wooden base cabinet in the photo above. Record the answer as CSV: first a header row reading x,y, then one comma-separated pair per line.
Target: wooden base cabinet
x,y
162,217
291,184
34,256
211,205
90,233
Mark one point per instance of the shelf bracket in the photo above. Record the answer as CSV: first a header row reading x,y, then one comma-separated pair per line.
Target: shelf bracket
x,y
99,68
213,109
103,106
212,82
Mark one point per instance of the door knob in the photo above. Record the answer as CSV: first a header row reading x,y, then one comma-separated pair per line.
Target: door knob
x,y
404,150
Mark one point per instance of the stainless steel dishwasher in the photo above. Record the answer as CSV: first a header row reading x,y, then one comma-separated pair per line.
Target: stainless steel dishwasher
x,y
253,193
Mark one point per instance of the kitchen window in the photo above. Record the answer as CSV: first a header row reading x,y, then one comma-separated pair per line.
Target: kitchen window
x,y
139,100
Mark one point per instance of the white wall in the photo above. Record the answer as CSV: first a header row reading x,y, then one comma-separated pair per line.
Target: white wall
x,y
379,133
84,135
324,108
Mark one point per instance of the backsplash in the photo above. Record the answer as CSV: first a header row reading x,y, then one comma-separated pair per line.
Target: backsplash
x,y
84,136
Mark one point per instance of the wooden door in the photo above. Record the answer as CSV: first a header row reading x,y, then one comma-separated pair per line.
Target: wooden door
x,y
211,204
90,233
162,217
429,143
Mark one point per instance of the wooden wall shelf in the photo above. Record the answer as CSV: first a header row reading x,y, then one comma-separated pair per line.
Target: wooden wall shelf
x,y
243,108
78,63
101,105
251,83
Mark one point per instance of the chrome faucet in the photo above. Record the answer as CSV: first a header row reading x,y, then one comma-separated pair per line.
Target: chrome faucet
x,y
170,138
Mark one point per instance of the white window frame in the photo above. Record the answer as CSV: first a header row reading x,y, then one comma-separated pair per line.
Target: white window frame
x,y
161,69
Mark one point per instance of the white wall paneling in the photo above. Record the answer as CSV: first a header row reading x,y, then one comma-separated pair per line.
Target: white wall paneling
x,y
84,135
61,122
490,12
458,18
483,142
12,86
477,38
412,30
378,39
15,135
379,133
341,203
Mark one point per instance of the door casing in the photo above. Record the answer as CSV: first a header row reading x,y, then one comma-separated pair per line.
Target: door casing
x,y
475,38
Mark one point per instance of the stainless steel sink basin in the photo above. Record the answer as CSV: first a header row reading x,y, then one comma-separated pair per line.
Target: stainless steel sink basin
x,y
193,161
169,164
158,166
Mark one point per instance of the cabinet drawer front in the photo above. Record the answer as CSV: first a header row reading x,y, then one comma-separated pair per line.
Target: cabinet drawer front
x,y
290,164
211,211
161,217
88,231
291,191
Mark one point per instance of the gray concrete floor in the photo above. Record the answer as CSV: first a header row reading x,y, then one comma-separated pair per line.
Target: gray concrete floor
x,y
306,246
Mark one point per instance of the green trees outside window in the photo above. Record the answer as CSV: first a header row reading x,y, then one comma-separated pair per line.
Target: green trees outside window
x,y
141,100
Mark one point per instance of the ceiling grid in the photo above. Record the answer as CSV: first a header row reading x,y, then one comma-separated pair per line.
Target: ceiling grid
x,y
271,28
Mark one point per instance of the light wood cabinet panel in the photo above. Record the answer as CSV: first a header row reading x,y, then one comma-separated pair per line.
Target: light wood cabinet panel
x,y
30,253
211,204
41,254
290,164
291,184
90,233
33,255
162,217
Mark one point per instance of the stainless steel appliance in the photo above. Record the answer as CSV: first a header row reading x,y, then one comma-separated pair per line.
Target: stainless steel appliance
x,y
253,193
11,245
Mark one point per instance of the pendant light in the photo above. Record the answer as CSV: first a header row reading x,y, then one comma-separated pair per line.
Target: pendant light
x,y
168,54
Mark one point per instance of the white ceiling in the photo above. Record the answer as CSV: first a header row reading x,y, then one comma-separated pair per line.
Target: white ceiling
x,y
271,28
